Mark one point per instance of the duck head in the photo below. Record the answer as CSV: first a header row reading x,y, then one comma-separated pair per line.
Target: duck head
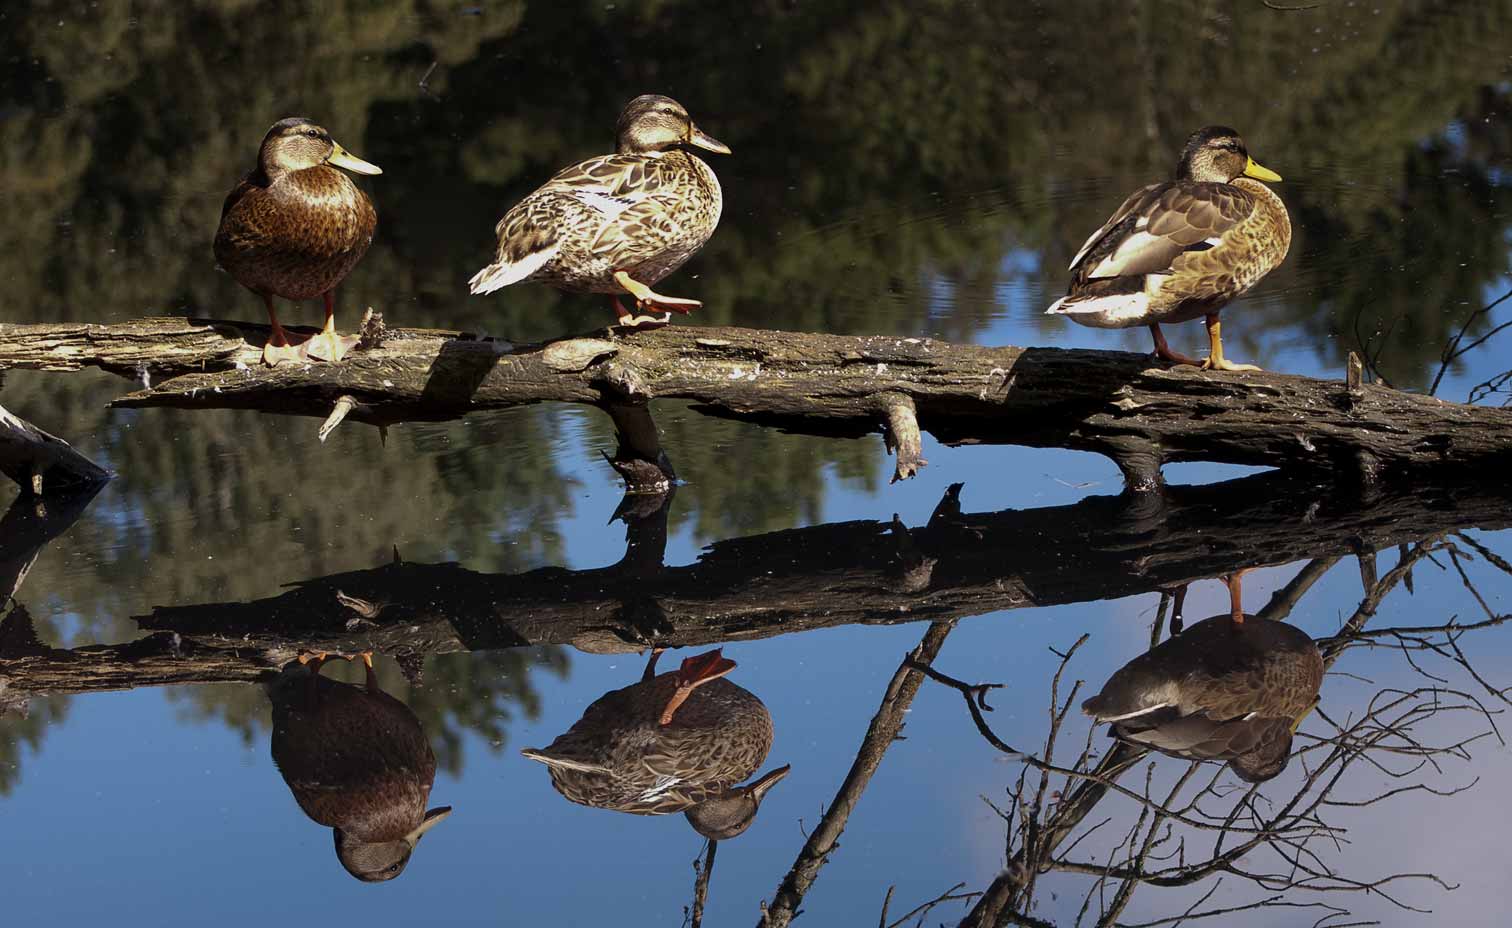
x,y
380,861
296,143
654,123
1218,154
730,813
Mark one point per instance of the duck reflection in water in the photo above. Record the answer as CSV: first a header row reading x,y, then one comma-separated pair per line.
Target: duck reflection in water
x,y
357,760
1230,688
674,742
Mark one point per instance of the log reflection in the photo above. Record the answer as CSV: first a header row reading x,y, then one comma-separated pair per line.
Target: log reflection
x,y
955,565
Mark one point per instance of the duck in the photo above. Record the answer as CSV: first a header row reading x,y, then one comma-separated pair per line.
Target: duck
x,y
294,227
1231,688
673,742
357,761
617,223
1183,249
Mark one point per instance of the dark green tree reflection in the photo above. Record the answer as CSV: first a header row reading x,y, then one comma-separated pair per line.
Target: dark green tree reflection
x,y
477,693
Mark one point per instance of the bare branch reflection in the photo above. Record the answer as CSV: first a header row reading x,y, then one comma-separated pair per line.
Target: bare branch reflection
x,y
1196,828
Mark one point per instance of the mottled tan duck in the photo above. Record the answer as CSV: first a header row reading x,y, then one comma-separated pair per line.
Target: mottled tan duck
x,y
295,227
358,762
617,223
1183,249
674,742
1229,688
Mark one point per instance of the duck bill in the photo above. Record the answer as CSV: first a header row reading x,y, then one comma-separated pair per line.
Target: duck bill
x,y
758,790
432,818
344,159
704,140
1260,172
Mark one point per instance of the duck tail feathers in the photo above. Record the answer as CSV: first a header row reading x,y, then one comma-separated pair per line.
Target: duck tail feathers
x,y
560,761
503,272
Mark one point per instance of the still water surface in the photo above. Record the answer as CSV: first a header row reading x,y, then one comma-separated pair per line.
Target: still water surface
x,y
922,170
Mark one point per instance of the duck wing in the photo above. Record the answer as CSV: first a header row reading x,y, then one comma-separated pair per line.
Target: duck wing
x,y
1158,224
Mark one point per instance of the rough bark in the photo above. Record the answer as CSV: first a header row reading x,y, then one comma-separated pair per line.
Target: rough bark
x,y
957,565
1113,403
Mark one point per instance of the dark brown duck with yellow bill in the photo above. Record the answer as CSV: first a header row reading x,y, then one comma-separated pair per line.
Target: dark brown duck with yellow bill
x,y
619,223
674,742
1222,690
357,761
295,227
1183,249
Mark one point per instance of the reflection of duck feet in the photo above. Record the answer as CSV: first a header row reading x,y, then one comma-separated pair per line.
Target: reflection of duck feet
x,y
643,622
650,671
313,659
695,672
1178,600
1236,605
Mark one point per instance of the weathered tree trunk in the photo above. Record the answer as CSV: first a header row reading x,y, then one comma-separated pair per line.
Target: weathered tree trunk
x,y
957,565
1114,403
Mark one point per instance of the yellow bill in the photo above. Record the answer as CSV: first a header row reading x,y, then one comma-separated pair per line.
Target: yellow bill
x,y
1260,172
344,159
702,139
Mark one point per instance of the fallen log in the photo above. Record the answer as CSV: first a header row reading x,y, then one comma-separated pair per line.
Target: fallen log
x,y
1114,403
955,566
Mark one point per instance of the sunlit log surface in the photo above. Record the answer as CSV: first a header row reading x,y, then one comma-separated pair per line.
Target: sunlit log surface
x,y
1113,403
864,572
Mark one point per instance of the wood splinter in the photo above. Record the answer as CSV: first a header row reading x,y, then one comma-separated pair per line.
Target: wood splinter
x,y
902,437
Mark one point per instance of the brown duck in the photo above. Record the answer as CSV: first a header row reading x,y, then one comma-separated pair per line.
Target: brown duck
x,y
1182,249
1229,688
617,223
356,760
674,742
295,227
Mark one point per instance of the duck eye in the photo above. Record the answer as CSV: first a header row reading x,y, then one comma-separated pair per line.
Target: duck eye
x,y
313,133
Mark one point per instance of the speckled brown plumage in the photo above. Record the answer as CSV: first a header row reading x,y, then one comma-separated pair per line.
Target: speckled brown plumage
x,y
618,756
294,228
296,236
1182,249
636,213
1217,691
642,211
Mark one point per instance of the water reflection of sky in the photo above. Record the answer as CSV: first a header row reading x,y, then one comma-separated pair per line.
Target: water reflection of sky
x,y
136,810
